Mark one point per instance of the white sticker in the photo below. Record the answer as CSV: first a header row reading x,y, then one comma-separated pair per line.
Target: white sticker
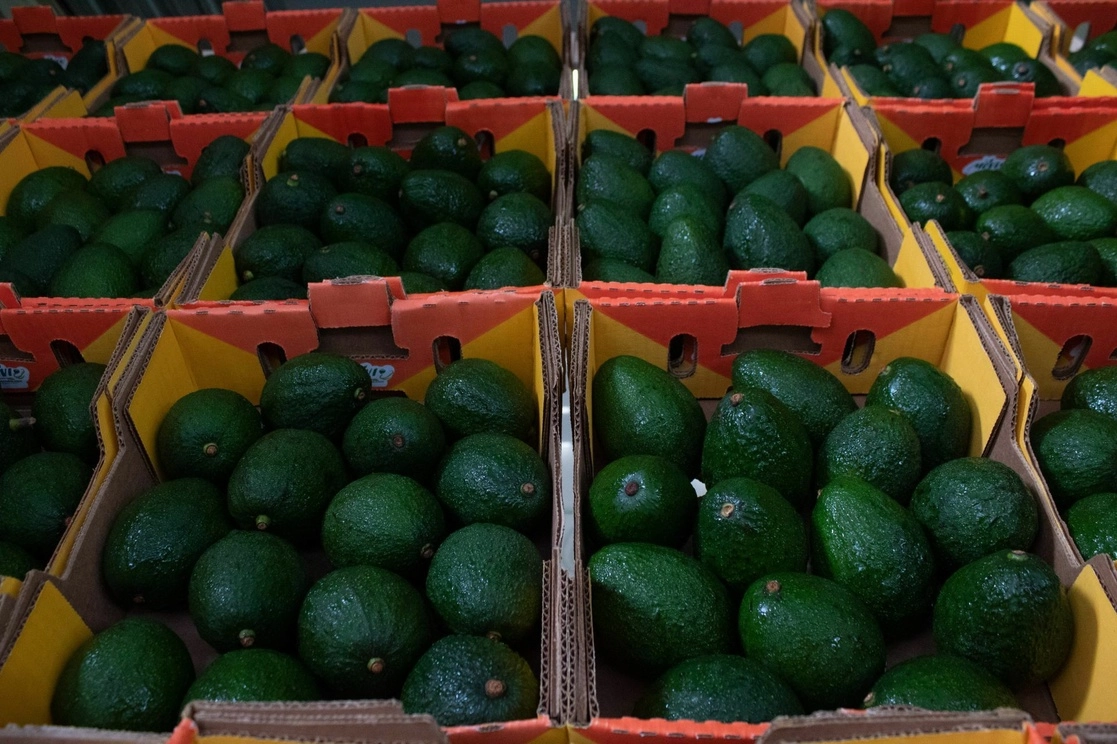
x,y
64,62
14,378
984,163
380,374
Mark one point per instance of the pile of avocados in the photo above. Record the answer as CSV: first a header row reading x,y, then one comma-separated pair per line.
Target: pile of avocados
x,y
1075,450
473,60
683,218
623,61
25,81
443,220
1097,53
46,459
930,66
267,77
328,544
1030,221
902,533
120,232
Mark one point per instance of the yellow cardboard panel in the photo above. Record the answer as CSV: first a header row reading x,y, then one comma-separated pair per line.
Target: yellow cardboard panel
x,y
911,265
322,41
1083,688
16,161
1096,146
847,148
536,136
47,154
1093,84
782,22
222,281
1041,356
289,129
10,585
548,25
953,267
139,47
49,638
967,361
989,31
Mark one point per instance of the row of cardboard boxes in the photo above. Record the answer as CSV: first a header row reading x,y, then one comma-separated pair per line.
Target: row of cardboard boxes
x,y
161,355
1044,30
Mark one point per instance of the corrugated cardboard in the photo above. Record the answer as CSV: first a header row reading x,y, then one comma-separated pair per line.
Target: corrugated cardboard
x,y
69,735
1073,22
178,351
828,327
533,124
905,725
690,122
242,26
1085,733
37,32
978,135
985,22
424,25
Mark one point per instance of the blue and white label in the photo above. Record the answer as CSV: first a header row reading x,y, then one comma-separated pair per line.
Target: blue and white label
x,y
379,373
984,163
14,378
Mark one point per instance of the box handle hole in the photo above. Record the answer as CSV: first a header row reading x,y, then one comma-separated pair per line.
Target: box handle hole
x,y
682,355
1071,356
858,352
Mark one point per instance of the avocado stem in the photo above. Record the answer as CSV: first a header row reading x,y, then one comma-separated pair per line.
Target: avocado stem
x,y
21,423
359,393
631,488
426,552
376,665
246,638
494,688
397,441
493,635
262,522
210,449
772,586
735,399
527,489
727,510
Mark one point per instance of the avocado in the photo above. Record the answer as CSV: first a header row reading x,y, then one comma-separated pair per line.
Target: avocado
x,y
214,69
1101,178
641,498
746,529
268,288
174,59
15,561
687,200
129,677
1077,213
211,206
913,167
639,409
115,179
254,675
839,229
827,183
284,482
1013,229
471,396
1066,262
61,409
788,79
249,84
675,168
815,635
494,478
143,85
359,217
10,234
17,436
719,687
966,81
504,267
613,270
361,629
245,592
320,155
1091,524
977,253
855,267
318,391
516,221
391,51
376,171
205,434
223,157
214,100
625,30
155,541
869,78
739,156
1095,389
841,27
275,251
448,148
294,198
1037,169
785,190
468,680
619,146
38,497
866,542
984,190
879,446
39,256
606,230
481,66
434,58
444,251
346,259
430,78
77,209
383,520
691,254
604,178
428,197
615,81
394,435
132,231
1076,450
936,201
940,682
1008,613
654,606
758,234
938,44
415,282
812,393
514,172
933,404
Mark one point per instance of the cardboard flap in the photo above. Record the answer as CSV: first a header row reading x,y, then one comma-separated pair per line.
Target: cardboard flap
x,y
878,723
714,102
70,735
147,122
454,12
244,15
417,104
778,301
358,300
365,721
1003,104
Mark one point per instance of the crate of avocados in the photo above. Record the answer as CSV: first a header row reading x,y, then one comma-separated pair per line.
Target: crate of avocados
x,y
450,195
657,47
947,49
1088,28
394,485
718,181
1017,194
877,434
246,59
44,55
482,50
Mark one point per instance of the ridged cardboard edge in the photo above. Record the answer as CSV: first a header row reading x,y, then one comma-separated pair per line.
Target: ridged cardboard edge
x,y
371,721
1086,733
890,722
71,735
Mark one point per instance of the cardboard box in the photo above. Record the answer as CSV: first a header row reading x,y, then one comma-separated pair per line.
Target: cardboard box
x,y
747,19
532,124
401,342
37,329
37,32
788,124
1085,733
425,24
986,22
1073,22
978,135
696,333
68,735
242,26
